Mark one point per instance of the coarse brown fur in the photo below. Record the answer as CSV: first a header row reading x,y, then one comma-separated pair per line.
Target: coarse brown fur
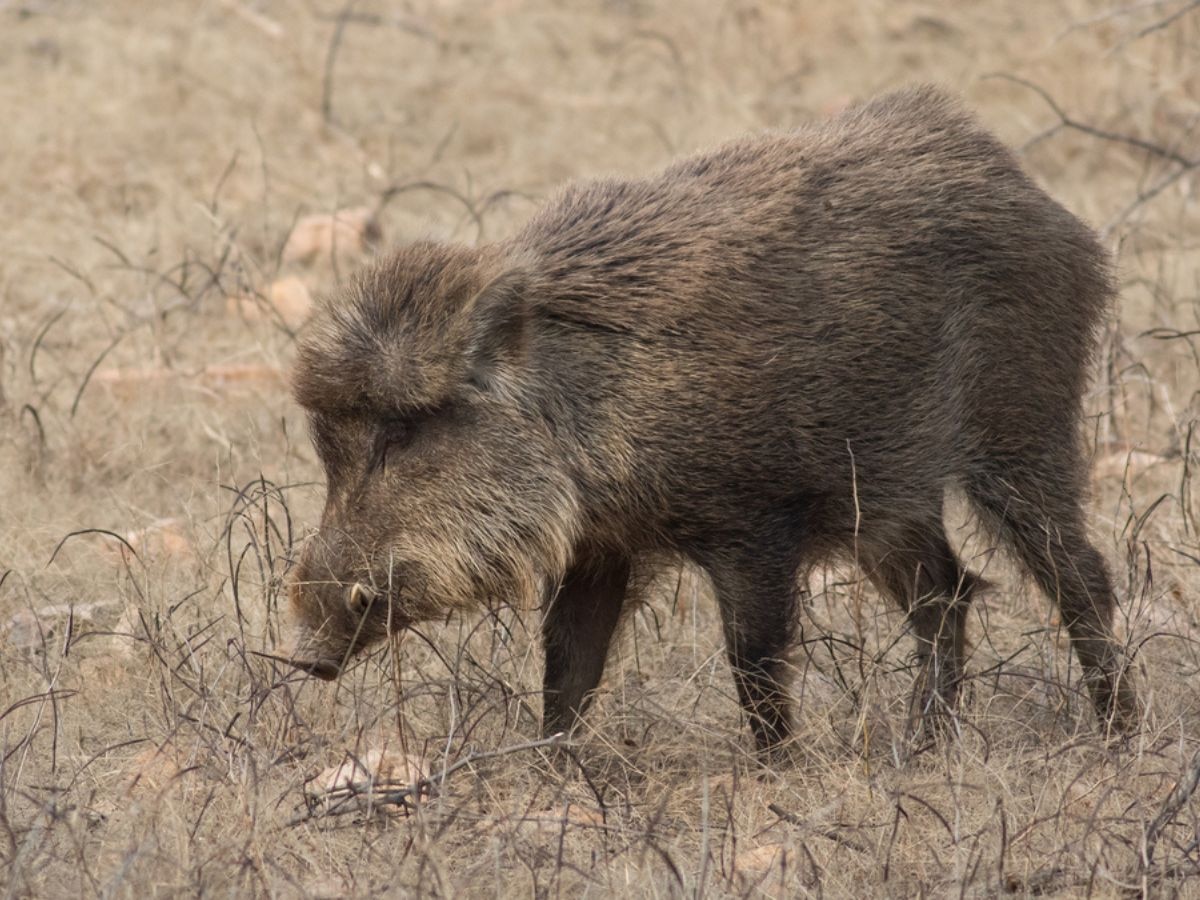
x,y
782,349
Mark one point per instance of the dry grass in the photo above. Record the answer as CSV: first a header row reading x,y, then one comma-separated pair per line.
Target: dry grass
x,y
154,160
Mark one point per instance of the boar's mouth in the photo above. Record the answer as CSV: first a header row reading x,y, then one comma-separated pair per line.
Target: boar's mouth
x,y
322,668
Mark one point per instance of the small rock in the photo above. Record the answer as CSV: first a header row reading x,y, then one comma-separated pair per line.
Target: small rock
x,y
289,297
355,230
27,629
156,769
759,860
163,538
367,776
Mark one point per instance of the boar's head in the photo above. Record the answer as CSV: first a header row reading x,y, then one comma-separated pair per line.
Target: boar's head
x,y
446,486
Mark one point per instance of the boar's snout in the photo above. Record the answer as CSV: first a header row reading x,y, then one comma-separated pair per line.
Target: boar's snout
x,y
336,615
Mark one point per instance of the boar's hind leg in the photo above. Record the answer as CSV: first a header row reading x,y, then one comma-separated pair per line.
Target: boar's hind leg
x,y
576,631
921,573
758,613
1041,518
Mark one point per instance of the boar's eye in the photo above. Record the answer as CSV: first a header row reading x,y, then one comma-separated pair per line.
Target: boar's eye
x,y
394,434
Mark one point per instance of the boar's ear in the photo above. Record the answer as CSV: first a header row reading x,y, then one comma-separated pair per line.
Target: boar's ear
x,y
496,327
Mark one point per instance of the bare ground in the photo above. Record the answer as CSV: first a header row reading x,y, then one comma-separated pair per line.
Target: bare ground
x,y
155,476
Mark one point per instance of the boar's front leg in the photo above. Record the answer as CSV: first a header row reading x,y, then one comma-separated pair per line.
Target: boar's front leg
x,y
577,628
757,599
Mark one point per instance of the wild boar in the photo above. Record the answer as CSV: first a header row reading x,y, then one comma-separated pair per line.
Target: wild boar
x,y
786,348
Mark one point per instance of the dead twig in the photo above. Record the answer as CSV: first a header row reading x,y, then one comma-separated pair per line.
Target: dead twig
x,y
1183,790
396,190
1108,16
1162,23
335,43
1065,121
1184,163
1147,195
82,531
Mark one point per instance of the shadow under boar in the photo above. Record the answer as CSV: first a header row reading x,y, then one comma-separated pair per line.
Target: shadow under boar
x,y
785,348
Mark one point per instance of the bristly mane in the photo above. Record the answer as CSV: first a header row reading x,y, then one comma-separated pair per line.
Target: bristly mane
x,y
381,344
